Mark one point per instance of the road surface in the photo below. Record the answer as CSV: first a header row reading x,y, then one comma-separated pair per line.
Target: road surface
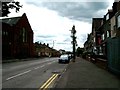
x,y
30,74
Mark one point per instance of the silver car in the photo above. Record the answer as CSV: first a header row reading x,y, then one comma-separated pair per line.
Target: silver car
x,y
64,59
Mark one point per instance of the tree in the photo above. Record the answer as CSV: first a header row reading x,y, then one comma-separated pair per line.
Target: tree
x,y
79,51
6,6
74,42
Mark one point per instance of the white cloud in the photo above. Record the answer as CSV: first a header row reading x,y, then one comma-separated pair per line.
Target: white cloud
x,y
48,22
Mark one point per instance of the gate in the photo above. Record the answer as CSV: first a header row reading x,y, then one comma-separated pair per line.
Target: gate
x,y
113,54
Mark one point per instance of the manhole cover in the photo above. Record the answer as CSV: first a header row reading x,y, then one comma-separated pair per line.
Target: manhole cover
x,y
56,72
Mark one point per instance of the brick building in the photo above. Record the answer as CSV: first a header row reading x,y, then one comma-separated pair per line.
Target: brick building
x,y
96,24
17,38
43,50
106,38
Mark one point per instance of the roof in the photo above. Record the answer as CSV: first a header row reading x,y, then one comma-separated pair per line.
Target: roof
x,y
10,21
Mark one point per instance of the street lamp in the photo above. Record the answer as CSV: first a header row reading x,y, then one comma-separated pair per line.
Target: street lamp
x,y
53,43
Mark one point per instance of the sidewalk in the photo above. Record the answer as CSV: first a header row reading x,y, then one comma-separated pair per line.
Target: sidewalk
x,y
84,74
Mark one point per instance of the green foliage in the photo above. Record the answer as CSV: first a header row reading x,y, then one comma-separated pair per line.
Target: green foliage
x,y
6,6
79,51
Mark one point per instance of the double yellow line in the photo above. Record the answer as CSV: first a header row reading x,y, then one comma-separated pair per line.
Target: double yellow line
x,y
48,82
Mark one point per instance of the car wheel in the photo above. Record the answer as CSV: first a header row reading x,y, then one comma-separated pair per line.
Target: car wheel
x,y
59,61
68,61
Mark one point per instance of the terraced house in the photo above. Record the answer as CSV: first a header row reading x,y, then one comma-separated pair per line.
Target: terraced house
x,y
17,38
43,50
105,38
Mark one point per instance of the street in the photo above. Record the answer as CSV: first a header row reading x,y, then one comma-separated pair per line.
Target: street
x,y
30,74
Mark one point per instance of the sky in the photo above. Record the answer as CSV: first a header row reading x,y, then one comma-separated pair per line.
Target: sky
x,y
52,20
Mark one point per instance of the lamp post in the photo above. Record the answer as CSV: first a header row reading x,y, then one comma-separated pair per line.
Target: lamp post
x,y
53,43
73,32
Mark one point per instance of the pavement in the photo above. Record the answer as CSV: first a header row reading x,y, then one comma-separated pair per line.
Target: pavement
x,y
85,74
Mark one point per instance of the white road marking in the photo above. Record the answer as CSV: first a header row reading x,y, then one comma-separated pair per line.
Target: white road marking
x,y
36,67
42,66
18,75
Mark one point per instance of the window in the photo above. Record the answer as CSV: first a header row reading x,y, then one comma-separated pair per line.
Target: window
x,y
101,22
5,33
1,32
24,35
114,27
103,37
108,34
94,39
99,40
107,16
118,21
100,49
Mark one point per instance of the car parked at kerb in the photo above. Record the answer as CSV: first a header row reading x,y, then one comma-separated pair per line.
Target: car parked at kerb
x,y
64,59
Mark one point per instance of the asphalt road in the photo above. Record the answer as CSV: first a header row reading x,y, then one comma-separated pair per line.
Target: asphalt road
x,y
30,74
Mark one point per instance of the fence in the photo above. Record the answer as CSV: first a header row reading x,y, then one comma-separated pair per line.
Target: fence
x,y
113,54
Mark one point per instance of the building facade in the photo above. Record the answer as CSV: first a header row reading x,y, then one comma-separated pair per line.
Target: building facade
x,y
96,33
17,38
106,38
43,50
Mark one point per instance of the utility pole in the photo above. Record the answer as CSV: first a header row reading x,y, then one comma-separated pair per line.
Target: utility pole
x,y
73,32
53,43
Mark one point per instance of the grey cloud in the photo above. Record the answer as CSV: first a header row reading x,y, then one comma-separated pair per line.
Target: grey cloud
x,y
67,40
46,36
83,11
82,38
42,41
35,3
65,35
62,43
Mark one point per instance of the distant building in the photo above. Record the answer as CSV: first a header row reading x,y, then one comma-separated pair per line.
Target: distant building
x,y
62,51
43,50
17,37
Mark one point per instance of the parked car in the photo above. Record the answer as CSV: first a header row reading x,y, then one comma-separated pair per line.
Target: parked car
x,y
70,56
64,59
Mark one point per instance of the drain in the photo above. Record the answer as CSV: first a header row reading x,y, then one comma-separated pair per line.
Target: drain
x,y
56,72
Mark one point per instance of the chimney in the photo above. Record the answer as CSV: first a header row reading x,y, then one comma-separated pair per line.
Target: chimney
x,y
43,43
40,43
116,0
110,12
47,45
116,6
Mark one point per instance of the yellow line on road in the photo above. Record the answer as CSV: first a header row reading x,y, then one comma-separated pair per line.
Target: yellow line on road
x,y
51,81
48,82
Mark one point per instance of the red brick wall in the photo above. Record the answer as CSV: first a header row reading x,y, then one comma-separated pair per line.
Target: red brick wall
x,y
18,49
